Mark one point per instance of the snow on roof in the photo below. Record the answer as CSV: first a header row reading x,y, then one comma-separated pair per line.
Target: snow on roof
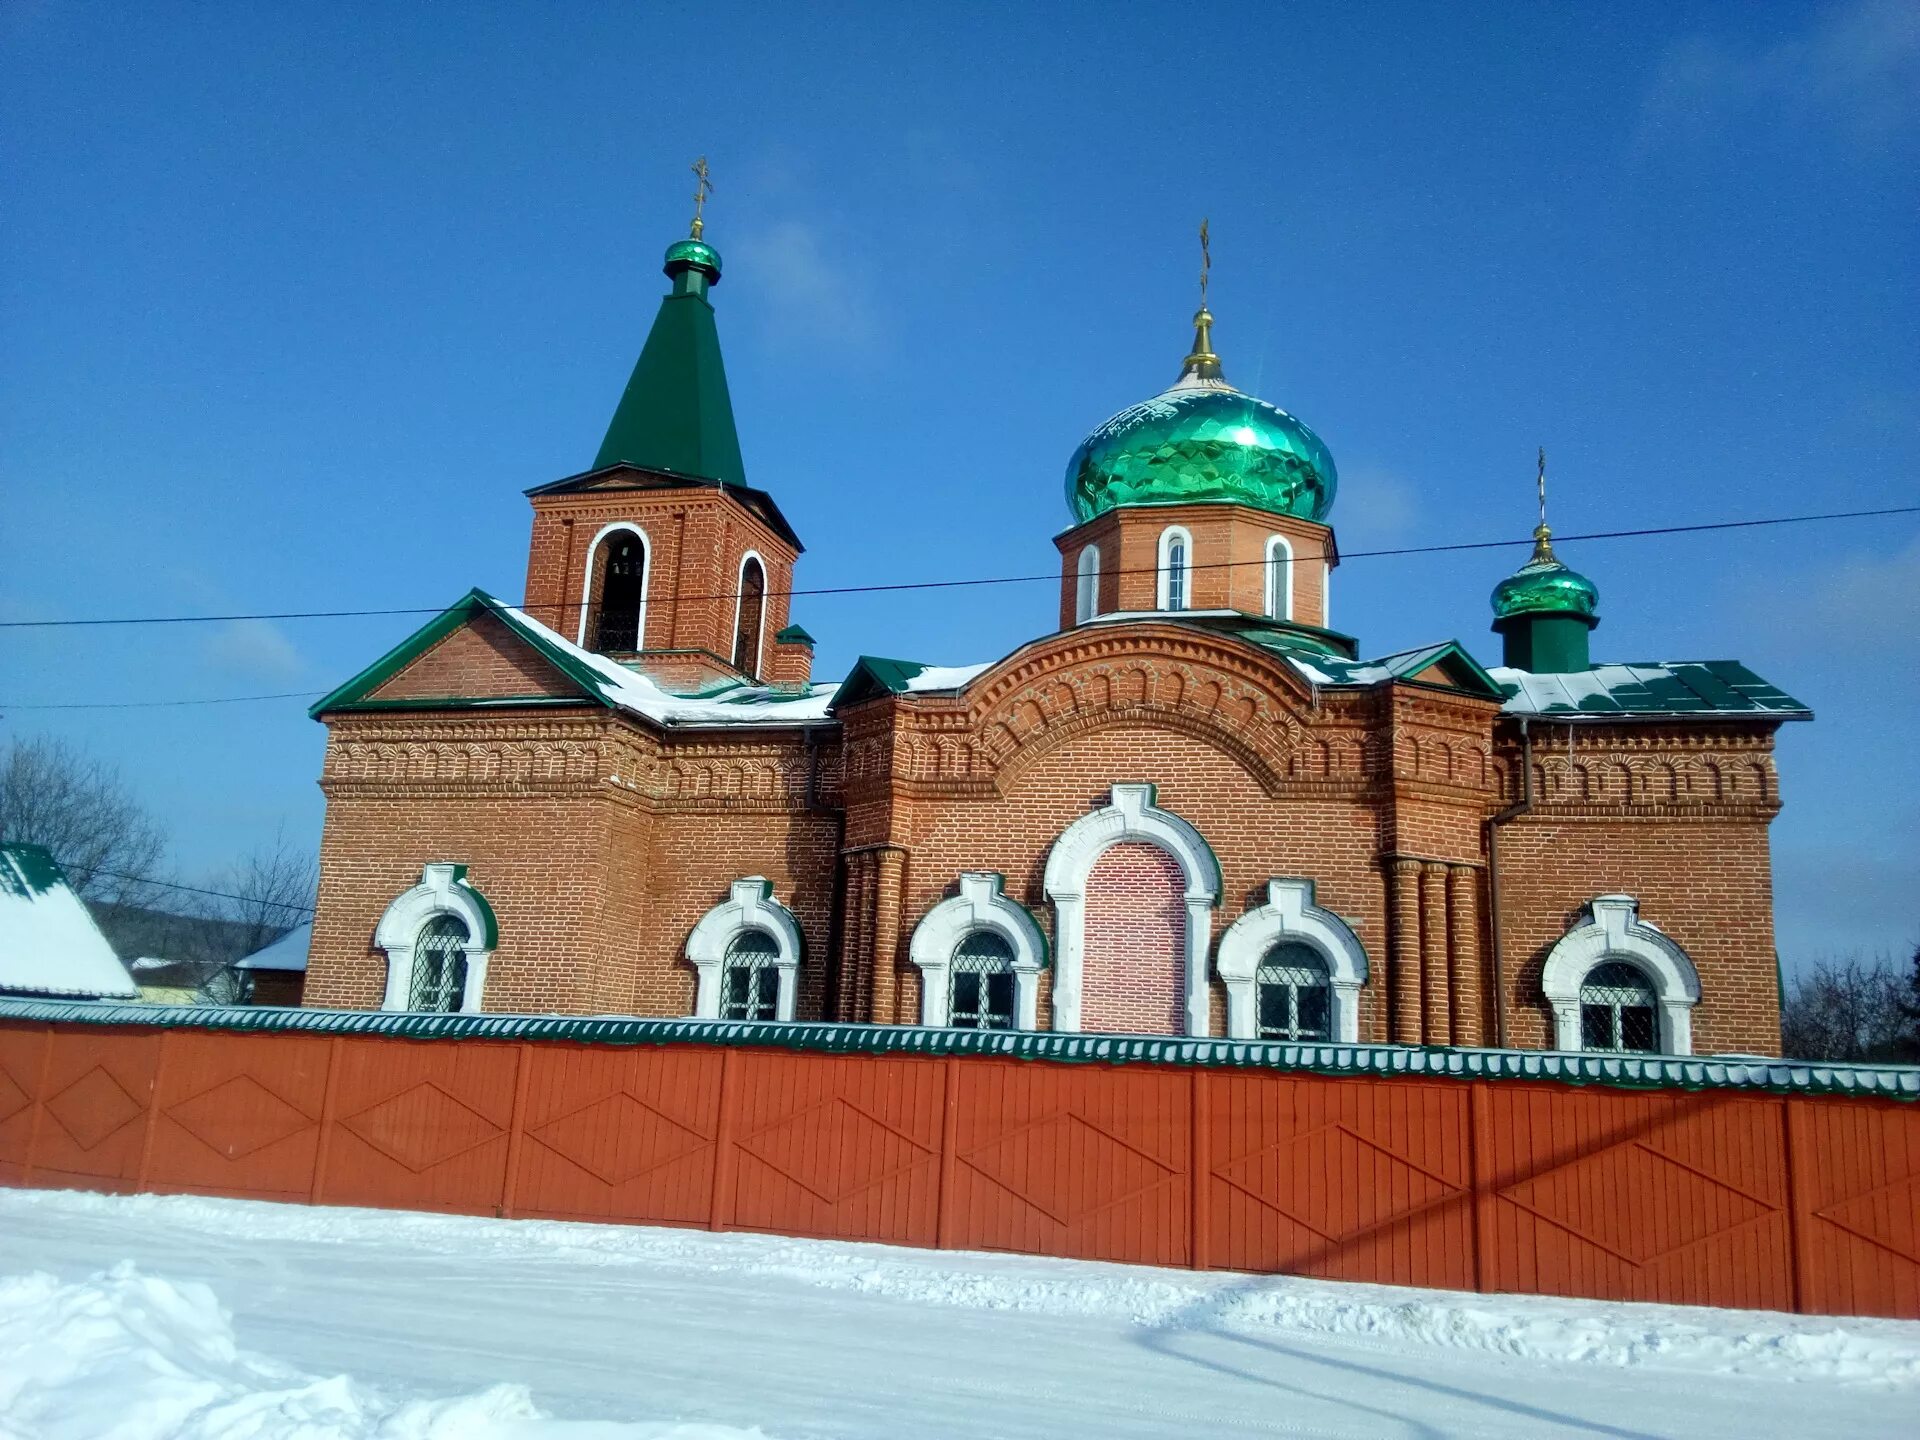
x,y
945,677
630,690
49,944
289,952
1648,688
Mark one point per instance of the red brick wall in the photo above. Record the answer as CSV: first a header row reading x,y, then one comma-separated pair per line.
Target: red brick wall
x,y
481,658
1136,920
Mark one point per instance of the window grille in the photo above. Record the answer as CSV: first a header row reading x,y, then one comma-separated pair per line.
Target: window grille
x,y
753,606
1295,995
439,965
1176,574
981,977
622,585
1618,1010
750,978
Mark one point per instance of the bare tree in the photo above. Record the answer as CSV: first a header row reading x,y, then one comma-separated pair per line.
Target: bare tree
x,y
264,896
1845,1008
82,811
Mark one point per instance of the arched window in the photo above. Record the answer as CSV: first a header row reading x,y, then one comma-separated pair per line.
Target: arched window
x,y
1619,1010
616,592
1086,593
982,978
440,965
1176,568
750,978
439,937
1279,578
1295,994
749,615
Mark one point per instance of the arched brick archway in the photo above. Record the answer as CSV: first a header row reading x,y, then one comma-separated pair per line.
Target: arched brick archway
x,y
1133,978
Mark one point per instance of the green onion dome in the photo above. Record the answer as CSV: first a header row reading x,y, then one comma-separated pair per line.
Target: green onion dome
x,y
1544,586
686,254
1202,440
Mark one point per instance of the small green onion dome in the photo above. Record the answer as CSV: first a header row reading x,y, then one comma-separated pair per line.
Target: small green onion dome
x,y
685,254
1544,586
1202,440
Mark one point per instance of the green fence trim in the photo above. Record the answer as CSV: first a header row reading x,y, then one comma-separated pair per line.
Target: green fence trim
x,y
1779,1077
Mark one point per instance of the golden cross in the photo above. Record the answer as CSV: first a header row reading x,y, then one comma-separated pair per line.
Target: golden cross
x,y
703,187
1542,482
1206,263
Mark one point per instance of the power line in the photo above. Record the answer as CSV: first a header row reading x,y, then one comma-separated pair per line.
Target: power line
x,y
157,704
1050,577
198,890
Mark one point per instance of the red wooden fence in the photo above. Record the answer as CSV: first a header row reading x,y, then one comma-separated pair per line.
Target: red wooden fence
x,y
1718,1197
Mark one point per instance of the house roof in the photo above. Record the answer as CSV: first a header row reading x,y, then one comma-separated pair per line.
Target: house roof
x,y
622,475
1649,689
602,681
289,952
49,944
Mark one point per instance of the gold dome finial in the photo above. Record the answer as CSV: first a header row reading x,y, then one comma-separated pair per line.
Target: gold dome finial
x,y
1201,362
1542,536
703,187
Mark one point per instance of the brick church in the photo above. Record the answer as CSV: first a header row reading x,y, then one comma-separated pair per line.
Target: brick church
x,y
1193,807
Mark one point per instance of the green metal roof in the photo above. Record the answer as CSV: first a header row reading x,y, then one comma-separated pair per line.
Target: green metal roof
x,y
875,675
1780,1077
1649,689
676,413
793,635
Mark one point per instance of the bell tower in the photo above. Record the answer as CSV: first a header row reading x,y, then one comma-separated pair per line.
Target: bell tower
x,y
662,556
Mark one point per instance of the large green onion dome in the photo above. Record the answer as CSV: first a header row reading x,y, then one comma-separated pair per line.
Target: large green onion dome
x,y
1545,586
1202,440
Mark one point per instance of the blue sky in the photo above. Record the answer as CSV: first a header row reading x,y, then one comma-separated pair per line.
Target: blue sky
x,y
296,301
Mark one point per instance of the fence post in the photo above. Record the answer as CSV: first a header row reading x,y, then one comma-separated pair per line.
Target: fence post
x,y
153,1113
719,1211
1200,1159
39,1106
1791,1140
949,1161
329,1104
516,1124
1479,1136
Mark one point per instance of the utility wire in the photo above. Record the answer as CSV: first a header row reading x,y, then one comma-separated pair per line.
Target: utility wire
x,y
1051,576
199,890
158,704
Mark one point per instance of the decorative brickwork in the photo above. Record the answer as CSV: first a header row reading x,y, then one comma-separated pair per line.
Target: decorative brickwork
x,y
1136,919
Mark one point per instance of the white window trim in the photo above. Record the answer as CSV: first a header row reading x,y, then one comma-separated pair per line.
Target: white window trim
x,y
1086,585
749,906
443,890
740,599
1132,815
1279,596
646,580
1163,576
980,905
1326,594
1615,931
1290,914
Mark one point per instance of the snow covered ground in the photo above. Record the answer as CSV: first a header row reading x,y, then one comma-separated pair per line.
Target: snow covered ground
x,y
138,1318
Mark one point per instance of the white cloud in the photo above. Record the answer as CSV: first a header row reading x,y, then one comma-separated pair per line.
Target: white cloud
x,y
254,647
805,287
1856,68
1377,507
1872,601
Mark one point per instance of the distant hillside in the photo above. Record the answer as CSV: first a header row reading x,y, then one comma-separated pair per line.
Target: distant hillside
x,y
135,931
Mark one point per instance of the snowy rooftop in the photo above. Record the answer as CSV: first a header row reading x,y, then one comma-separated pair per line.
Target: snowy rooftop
x,y
1648,688
49,944
289,952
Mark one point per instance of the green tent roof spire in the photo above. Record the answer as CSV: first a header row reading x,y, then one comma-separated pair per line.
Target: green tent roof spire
x,y
676,414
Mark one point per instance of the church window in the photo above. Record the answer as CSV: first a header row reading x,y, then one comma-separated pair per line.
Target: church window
x,y
982,980
1086,601
1295,994
1279,597
1176,569
1619,1010
750,979
439,965
616,593
749,615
